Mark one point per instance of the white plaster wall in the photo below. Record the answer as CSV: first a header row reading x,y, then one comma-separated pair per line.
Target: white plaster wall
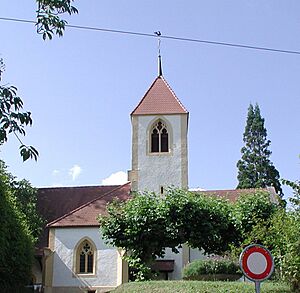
x,y
178,260
178,264
66,240
155,170
195,254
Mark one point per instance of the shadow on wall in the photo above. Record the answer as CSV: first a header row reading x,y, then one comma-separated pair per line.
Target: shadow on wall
x,y
65,276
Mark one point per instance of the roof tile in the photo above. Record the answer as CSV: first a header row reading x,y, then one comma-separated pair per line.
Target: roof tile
x,y
86,215
159,99
56,202
233,194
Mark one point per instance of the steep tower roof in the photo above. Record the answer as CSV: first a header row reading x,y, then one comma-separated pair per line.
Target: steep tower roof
x,y
159,99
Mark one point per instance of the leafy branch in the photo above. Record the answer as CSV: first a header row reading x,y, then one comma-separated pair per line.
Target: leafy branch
x,y
48,17
12,119
295,185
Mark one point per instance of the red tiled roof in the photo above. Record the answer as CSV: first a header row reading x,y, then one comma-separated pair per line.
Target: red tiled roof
x,y
159,99
233,194
86,215
56,202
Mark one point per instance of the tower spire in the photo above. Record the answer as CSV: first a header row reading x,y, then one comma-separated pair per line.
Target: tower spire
x,y
158,34
159,66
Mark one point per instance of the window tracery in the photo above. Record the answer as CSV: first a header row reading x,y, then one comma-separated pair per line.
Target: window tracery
x,y
159,138
85,258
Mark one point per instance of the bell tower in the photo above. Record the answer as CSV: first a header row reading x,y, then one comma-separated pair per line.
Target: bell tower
x,y
159,140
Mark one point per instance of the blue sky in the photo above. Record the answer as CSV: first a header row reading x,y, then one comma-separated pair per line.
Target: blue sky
x,y
81,88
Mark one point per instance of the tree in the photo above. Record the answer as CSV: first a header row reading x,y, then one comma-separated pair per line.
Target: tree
x,y
202,221
20,222
48,20
281,235
283,238
16,241
20,228
26,202
271,225
139,227
255,170
252,209
12,119
253,213
147,224
295,185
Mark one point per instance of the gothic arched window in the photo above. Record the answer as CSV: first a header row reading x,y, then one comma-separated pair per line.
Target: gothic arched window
x,y
159,138
85,258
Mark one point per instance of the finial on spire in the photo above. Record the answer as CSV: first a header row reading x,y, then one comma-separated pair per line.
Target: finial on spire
x,y
158,34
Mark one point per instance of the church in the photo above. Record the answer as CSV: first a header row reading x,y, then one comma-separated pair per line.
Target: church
x,y
71,256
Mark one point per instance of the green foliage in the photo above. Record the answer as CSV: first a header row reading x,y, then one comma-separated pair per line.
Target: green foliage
x,y
295,185
277,229
271,225
282,236
252,209
195,269
287,244
16,242
255,170
145,225
200,221
26,196
139,227
252,213
288,247
48,20
12,119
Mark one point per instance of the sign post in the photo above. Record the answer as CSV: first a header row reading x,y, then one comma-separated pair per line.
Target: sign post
x,y
257,264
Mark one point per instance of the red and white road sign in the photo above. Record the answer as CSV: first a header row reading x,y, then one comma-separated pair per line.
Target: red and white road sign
x,y
256,263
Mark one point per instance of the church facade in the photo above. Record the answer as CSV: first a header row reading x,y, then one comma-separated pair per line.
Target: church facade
x,y
72,257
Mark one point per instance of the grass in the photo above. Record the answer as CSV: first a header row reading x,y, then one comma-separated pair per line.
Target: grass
x,y
200,286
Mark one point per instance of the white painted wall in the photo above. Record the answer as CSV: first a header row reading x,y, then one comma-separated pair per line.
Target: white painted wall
x,y
178,265
164,169
195,254
178,258
66,240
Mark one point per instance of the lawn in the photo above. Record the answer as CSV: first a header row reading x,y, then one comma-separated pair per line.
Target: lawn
x,y
199,286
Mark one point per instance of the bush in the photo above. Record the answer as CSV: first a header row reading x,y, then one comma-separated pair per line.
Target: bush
x,y
281,235
284,239
211,267
16,242
252,208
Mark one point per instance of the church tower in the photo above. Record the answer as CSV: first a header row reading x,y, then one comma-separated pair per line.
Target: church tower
x,y
159,140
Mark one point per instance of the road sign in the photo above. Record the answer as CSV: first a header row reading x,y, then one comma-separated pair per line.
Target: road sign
x,y
257,264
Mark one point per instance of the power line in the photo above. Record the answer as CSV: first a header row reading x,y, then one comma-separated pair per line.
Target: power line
x,y
235,45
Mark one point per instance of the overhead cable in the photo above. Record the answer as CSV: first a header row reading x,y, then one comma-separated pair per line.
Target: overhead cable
x,y
184,39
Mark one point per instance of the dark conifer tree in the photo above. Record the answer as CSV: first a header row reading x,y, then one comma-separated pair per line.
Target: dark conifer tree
x,y
255,170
